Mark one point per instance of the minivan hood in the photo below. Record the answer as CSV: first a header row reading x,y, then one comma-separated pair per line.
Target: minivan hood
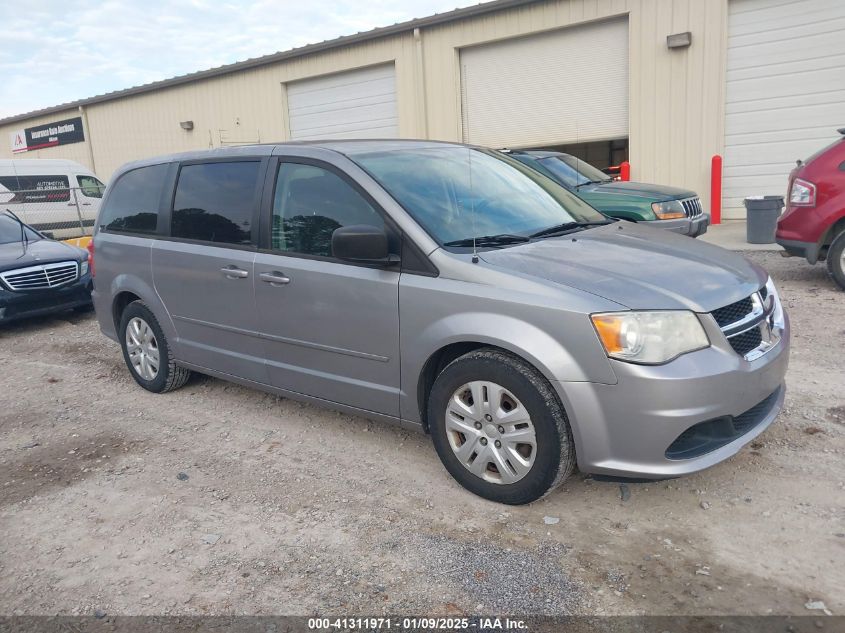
x,y
639,267
12,255
655,193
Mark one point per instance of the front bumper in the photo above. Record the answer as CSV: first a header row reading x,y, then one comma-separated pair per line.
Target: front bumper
x,y
626,429
21,305
693,227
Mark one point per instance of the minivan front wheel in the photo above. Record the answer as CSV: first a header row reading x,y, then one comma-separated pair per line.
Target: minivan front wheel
x,y
499,428
146,351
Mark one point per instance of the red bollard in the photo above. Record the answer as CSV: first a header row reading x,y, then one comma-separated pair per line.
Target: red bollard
x,y
625,171
716,190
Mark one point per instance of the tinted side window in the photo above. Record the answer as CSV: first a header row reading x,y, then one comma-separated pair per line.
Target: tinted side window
x,y
214,202
133,203
310,203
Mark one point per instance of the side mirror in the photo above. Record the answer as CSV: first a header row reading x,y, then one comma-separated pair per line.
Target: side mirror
x,y
362,243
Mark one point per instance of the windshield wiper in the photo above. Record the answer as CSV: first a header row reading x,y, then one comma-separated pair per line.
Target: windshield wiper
x,y
489,240
566,227
593,182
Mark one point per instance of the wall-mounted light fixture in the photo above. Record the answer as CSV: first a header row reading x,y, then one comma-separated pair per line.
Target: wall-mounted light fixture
x,y
679,40
186,125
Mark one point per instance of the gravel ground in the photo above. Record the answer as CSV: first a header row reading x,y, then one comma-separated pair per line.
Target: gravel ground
x,y
216,499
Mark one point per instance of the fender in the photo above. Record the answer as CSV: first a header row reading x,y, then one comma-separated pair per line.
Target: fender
x,y
552,356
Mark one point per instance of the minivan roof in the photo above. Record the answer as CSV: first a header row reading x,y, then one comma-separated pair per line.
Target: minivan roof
x,y
342,146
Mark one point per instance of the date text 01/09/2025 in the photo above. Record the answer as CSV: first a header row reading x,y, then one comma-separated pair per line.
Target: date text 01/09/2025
x,y
415,624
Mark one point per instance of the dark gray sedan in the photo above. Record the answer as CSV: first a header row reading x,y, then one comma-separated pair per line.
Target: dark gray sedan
x,y
39,275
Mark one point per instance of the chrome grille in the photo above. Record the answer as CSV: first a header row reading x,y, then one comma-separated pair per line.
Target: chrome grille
x,y
733,312
746,324
692,207
42,276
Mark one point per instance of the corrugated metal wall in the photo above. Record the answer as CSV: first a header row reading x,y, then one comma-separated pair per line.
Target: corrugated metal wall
x,y
676,97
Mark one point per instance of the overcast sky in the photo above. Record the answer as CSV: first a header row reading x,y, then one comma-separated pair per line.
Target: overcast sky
x,y
54,51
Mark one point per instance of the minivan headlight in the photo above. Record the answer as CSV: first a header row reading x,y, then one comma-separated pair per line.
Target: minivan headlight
x,y
669,210
83,268
650,338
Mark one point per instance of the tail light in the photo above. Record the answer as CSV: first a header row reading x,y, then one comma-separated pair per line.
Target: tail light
x,y
90,248
802,193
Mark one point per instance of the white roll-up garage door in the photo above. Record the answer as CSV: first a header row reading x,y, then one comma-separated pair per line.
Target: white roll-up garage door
x,y
354,104
785,93
565,86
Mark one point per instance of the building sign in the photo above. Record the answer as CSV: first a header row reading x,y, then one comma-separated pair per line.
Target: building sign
x,y
48,135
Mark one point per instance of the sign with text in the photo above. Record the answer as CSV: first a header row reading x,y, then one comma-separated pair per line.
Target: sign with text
x,y
48,135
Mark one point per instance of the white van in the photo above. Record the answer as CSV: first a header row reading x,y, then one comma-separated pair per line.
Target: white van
x,y
60,197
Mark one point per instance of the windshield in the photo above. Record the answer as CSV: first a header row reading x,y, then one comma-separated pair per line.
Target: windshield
x,y
572,171
10,231
457,193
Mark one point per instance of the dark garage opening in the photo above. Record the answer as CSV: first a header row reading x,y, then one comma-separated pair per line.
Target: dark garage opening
x,y
600,154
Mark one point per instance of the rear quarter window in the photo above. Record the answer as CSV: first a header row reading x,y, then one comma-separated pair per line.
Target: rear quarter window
x,y
133,204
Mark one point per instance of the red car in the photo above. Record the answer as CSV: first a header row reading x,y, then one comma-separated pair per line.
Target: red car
x,y
813,225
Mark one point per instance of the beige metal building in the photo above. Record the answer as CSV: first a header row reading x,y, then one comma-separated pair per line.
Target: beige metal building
x,y
761,82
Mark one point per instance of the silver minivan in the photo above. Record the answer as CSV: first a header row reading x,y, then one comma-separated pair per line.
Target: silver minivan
x,y
447,288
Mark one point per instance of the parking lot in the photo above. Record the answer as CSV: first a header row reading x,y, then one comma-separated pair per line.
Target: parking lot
x,y
216,499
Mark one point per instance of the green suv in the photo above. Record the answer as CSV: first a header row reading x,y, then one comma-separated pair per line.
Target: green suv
x,y
677,210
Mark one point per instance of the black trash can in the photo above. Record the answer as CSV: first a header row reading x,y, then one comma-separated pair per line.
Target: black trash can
x,y
762,218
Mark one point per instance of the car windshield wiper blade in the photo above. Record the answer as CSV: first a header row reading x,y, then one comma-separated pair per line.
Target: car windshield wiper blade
x,y
593,182
489,240
566,227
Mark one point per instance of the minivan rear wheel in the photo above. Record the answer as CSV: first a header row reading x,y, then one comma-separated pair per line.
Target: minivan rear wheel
x,y
499,428
146,351
836,259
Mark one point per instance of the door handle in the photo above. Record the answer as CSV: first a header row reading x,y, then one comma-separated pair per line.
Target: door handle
x,y
232,272
275,278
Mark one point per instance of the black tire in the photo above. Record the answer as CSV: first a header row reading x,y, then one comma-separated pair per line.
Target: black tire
x,y
555,451
836,260
169,376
